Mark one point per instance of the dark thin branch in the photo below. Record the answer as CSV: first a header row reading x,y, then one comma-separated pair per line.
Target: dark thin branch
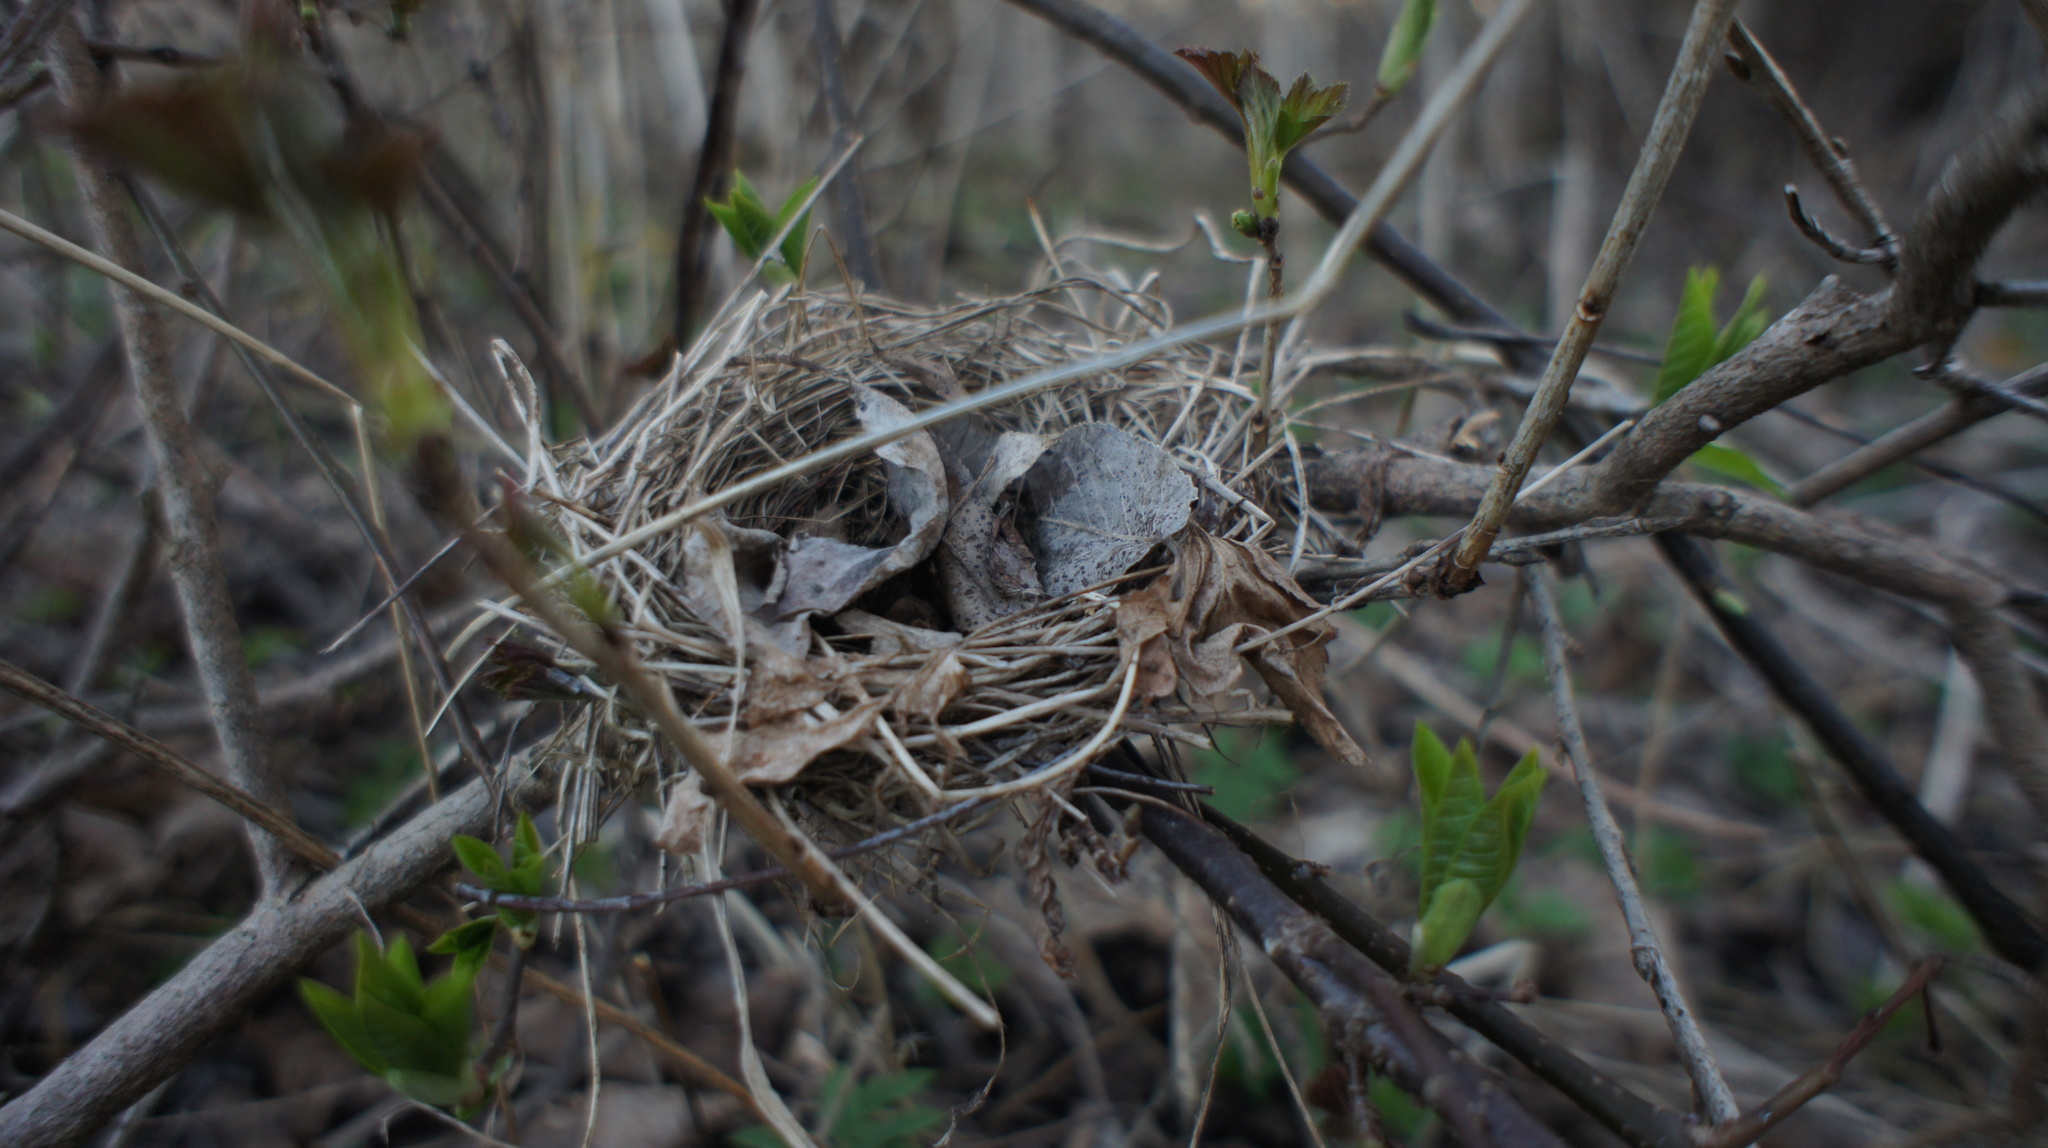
x,y
1431,329
1181,84
163,54
849,207
344,488
2006,926
633,902
23,42
123,736
1838,249
453,214
1637,1121
714,157
1752,64
1362,1006
1752,1125
2013,293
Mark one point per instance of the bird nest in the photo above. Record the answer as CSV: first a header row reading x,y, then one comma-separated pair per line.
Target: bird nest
x,y
975,610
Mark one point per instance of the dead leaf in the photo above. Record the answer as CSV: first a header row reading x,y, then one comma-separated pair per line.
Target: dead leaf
x,y
933,687
823,575
1183,630
776,754
1097,502
685,818
986,570
890,638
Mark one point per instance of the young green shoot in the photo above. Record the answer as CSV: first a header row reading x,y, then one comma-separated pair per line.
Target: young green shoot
x,y
1697,346
1274,124
1470,842
413,1034
753,227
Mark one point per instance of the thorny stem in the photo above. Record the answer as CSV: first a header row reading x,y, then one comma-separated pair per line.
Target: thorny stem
x,y
1675,112
1276,275
1711,1089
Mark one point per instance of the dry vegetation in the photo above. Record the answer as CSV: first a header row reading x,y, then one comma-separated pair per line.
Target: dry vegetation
x,y
1032,706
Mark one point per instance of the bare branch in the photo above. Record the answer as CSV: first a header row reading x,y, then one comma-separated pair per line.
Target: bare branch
x,y
1838,249
1459,572
2013,293
1708,1086
1818,1079
714,155
192,538
308,848
2006,927
164,1031
1362,1007
1904,442
1637,1121
849,207
1753,65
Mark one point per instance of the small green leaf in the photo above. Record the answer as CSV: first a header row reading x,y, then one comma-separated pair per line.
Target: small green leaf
x,y
526,843
1690,349
1728,462
480,858
1403,52
1749,321
1451,798
343,1021
463,938
1934,914
391,976
1245,224
1306,108
1443,928
795,244
406,1040
434,1088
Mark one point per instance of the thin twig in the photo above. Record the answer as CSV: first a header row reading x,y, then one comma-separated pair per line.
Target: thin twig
x,y
1754,65
1752,1125
636,901
693,228
185,489
2006,927
1675,112
1709,1087
118,733
849,207
2013,293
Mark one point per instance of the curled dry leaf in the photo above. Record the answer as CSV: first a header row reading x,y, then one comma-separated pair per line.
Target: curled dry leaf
x,y
685,818
774,754
986,569
1183,630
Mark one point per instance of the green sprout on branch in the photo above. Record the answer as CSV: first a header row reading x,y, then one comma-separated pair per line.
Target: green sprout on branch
x,y
1697,346
415,1035
753,227
526,876
1273,124
1470,842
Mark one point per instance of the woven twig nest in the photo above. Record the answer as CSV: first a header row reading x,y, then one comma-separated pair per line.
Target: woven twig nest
x,y
977,610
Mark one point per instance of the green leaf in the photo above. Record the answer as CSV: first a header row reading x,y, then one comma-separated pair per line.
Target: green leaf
x,y
1728,462
1306,108
450,1005
1749,321
463,938
343,1021
377,976
526,844
1443,928
405,1040
1403,52
757,1136
729,218
1451,799
1935,914
1690,349
795,244
434,1088
480,858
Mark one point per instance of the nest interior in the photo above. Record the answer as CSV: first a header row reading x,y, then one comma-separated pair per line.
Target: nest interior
x,y
975,610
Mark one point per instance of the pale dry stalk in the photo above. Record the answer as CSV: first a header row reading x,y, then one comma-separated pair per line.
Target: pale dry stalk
x,y
1675,113
1708,1084
192,537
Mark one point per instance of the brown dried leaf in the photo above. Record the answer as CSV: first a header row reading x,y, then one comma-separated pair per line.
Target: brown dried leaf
x,y
776,754
933,687
986,570
685,818
1185,625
